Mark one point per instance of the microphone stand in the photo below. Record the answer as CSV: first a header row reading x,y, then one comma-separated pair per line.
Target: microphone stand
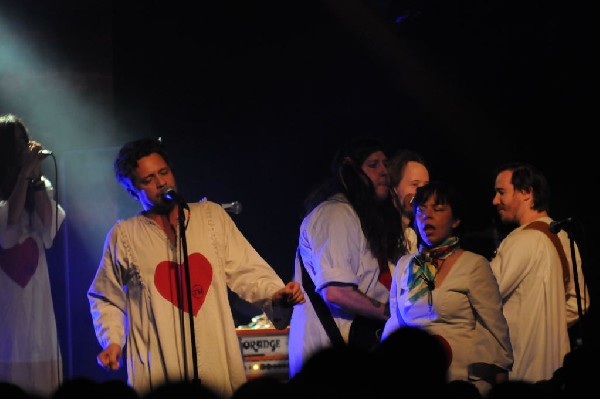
x,y
576,278
186,267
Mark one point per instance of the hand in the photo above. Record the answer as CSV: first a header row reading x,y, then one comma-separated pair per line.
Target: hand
x,y
110,358
291,294
31,159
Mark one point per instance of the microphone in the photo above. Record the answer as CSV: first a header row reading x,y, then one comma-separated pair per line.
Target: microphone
x,y
43,154
558,225
170,195
234,207
407,201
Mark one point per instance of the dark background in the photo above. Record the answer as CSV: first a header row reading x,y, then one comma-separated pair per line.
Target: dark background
x,y
253,97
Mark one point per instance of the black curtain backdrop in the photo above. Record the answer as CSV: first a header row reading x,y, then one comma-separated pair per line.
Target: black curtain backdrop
x,y
253,98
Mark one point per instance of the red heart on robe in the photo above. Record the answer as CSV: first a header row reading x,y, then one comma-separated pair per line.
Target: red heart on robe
x,y
20,262
166,277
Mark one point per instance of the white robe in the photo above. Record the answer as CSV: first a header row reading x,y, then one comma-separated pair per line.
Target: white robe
x,y
334,249
530,278
132,299
29,351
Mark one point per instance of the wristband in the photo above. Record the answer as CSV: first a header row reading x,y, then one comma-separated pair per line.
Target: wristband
x,y
37,184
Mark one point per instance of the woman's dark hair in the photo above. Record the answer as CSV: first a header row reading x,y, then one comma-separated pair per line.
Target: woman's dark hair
x,y
380,220
9,166
127,160
445,194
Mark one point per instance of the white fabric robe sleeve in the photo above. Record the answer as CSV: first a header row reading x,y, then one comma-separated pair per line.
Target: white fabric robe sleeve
x,y
530,279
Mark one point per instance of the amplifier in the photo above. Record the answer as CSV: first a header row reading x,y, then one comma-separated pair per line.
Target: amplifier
x,y
265,352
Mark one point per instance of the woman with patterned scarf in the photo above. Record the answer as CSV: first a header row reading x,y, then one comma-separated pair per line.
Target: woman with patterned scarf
x,y
451,293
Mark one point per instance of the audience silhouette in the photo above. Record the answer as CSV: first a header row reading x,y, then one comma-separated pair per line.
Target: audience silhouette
x,y
334,371
182,390
409,357
13,391
263,387
78,387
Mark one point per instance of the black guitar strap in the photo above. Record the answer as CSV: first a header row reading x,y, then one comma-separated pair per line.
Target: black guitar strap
x,y
323,312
